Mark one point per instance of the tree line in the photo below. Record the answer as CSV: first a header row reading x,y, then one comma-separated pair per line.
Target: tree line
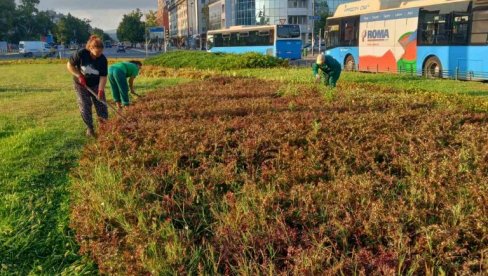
x,y
24,21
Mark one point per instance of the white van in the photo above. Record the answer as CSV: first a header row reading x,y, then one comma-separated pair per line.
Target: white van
x,y
33,48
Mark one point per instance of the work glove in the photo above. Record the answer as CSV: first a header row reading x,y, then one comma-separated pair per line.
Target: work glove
x,y
101,94
82,80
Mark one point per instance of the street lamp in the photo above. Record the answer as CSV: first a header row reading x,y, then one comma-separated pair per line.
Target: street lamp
x,y
190,20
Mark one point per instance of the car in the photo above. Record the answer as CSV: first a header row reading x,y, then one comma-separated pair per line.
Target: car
x,y
120,49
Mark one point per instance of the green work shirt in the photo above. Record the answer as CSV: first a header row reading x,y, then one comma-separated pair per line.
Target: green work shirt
x,y
130,69
330,66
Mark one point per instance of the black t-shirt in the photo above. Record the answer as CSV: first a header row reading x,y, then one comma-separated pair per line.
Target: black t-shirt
x,y
91,68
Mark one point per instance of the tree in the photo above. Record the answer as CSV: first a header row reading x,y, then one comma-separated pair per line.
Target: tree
x,y
72,29
100,33
131,28
7,10
44,23
151,19
322,10
25,26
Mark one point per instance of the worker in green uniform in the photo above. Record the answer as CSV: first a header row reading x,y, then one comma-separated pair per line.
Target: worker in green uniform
x,y
117,75
330,67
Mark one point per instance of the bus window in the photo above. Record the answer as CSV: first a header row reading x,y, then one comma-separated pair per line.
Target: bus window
x,y
479,29
210,41
217,40
460,29
332,35
265,38
225,40
435,28
350,31
288,31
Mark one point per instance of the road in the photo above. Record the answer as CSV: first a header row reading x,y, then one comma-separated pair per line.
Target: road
x,y
140,53
109,53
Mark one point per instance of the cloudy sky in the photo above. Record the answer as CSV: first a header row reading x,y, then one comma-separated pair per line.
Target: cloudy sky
x,y
103,14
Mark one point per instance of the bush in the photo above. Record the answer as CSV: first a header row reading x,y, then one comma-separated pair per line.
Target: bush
x,y
216,61
241,176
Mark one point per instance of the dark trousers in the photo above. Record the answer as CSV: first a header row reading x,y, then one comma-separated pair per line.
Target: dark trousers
x,y
85,102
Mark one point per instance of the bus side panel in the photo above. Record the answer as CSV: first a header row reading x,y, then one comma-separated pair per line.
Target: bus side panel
x,y
441,52
289,49
388,41
264,50
340,54
458,62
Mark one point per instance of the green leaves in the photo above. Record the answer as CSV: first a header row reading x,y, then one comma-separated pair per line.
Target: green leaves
x,y
131,28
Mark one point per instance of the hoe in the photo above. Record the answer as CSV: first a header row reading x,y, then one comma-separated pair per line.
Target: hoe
x,y
107,104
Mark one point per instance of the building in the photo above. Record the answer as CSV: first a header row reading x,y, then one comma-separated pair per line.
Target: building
x,y
226,13
188,18
162,16
186,21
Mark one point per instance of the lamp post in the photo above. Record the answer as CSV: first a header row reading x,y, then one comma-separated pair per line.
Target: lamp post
x,y
191,25
313,26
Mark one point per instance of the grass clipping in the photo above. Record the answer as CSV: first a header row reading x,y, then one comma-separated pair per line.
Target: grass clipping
x,y
240,176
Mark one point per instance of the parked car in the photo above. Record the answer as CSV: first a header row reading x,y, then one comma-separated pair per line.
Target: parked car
x,y
120,49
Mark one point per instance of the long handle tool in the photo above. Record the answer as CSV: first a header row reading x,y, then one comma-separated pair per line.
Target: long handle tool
x,y
107,104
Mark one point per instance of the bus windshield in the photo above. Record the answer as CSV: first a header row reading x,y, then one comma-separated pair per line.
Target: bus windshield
x,y
288,31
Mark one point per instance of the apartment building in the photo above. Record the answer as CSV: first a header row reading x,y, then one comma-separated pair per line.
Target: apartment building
x,y
188,18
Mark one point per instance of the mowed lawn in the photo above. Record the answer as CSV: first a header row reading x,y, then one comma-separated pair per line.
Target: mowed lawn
x,y
41,137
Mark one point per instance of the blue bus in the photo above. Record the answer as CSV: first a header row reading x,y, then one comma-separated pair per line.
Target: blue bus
x,y
433,38
281,41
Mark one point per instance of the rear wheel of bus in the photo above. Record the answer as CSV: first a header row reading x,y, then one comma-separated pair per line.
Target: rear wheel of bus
x,y
349,63
432,68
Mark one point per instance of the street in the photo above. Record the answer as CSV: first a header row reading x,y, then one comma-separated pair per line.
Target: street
x,y
108,52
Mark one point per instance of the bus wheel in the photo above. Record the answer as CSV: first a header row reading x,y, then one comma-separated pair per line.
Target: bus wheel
x,y
432,68
349,64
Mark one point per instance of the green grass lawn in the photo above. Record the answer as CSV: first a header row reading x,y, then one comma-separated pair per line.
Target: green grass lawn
x,y
404,82
41,137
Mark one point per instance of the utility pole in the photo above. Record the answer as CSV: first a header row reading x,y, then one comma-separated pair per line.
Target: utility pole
x,y
145,36
320,40
313,26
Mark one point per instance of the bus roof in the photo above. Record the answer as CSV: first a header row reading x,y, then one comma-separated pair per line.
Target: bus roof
x,y
370,6
242,29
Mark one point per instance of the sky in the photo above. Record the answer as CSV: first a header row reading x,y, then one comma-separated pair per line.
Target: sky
x,y
103,14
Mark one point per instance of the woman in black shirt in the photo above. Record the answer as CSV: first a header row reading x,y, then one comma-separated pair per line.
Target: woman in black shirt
x,y
89,69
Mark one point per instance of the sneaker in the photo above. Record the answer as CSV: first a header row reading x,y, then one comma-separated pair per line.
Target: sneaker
x,y
90,132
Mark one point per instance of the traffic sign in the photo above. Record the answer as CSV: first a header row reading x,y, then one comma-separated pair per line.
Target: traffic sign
x,y
317,17
156,32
